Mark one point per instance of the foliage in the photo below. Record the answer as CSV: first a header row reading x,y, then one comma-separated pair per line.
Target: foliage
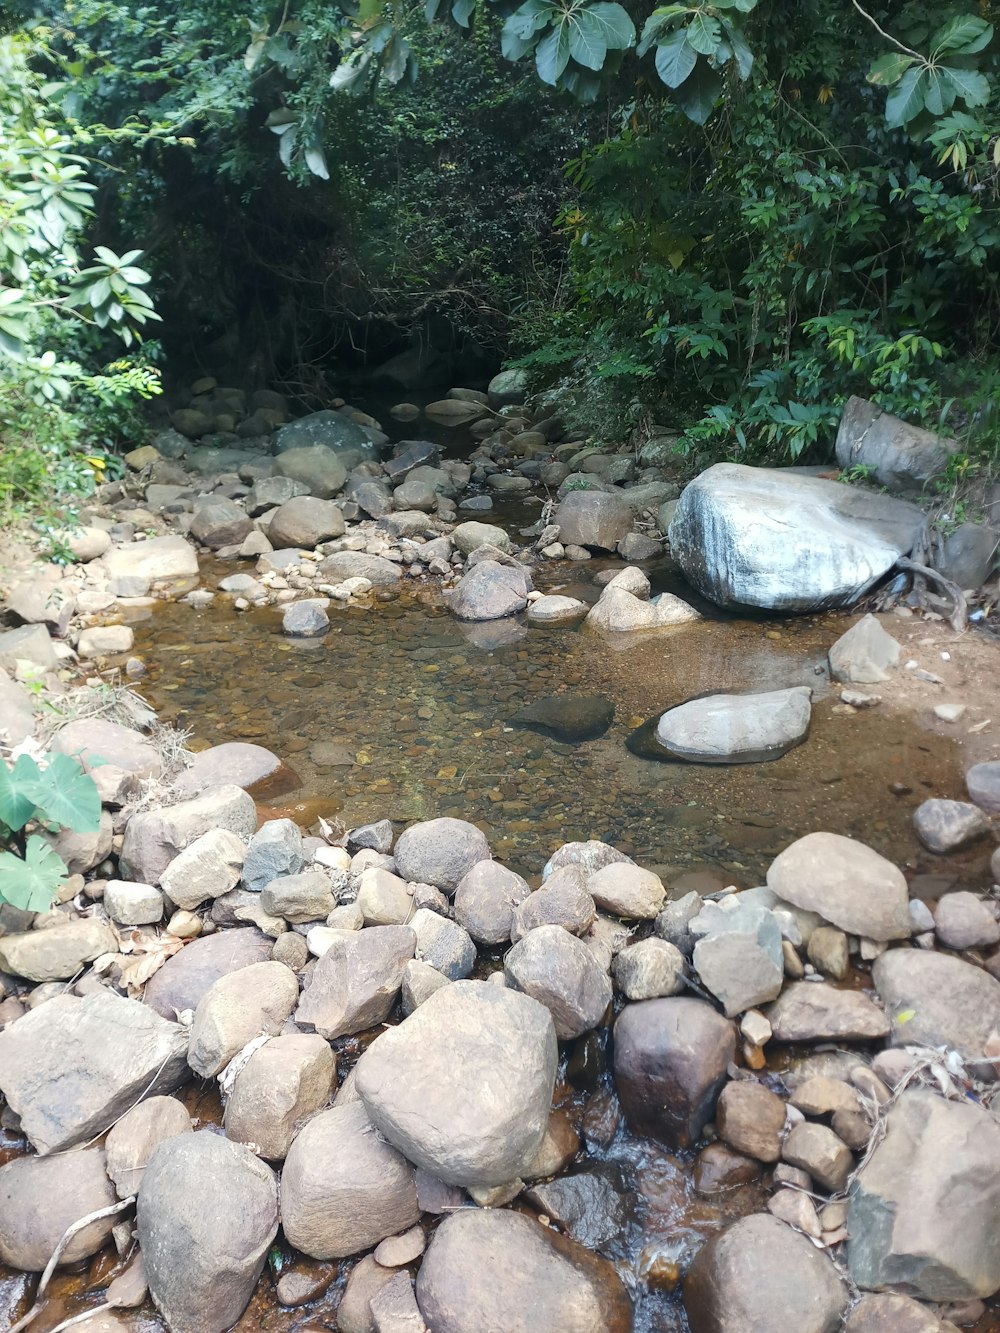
x,y
59,796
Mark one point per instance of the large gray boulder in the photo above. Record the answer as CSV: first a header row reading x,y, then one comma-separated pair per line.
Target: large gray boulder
x,y
924,1212
71,1066
355,984
593,518
759,1274
220,522
169,558
330,430
935,1000
206,1215
154,837
319,469
343,1189
900,456
464,1085
489,1269
440,852
737,728
844,882
491,591
41,1198
782,541
305,521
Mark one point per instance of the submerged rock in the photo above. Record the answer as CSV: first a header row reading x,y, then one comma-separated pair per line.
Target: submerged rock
x,y
736,728
567,717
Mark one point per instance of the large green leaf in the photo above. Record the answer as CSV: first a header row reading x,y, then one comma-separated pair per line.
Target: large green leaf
x,y
31,884
67,796
462,11
972,87
586,41
906,101
675,59
616,27
17,800
964,35
889,69
552,54
703,33
939,94
531,17
697,96
742,52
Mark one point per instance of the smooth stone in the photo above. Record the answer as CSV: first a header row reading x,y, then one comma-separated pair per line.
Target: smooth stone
x,y
846,883
737,729
816,1011
935,1000
569,718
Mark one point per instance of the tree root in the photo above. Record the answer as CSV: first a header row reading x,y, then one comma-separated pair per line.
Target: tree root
x,y
959,619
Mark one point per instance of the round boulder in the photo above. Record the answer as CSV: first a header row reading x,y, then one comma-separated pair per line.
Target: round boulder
x,y
41,1197
440,852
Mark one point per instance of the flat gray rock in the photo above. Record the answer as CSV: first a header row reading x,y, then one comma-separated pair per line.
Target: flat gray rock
x,y
736,728
846,883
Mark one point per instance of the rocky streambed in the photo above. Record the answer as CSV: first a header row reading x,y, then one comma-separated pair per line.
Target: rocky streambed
x,y
434,986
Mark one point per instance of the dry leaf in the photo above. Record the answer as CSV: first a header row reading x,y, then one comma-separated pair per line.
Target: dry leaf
x,y
148,952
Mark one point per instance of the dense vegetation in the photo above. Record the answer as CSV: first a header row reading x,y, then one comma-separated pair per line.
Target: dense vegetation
x,y
720,217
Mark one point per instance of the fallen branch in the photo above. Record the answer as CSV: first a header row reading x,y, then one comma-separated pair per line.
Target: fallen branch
x,y
959,619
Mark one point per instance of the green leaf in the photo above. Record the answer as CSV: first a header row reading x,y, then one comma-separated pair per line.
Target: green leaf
x,y
316,162
906,101
964,35
530,18
552,54
586,45
66,795
697,96
462,11
703,33
107,256
742,52
889,69
31,884
513,47
972,87
617,29
675,59
939,94
17,804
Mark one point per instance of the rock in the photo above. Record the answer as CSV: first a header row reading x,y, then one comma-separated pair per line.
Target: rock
x,y
819,1151
562,900
846,883
284,1082
454,412
444,944
508,388
558,970
343,1189
649,970
589,856
593,518
559,1285
982,782
132,1140
781,541
86,543
900,456
934,1000
759,1274
797,1209
355,984
945,826
220,522
37,601
864,654
343,565
420,981
718,1169
587,1205
736,728
394,1307
630,580
29,643
384,899
925,1207
17,711
179,984
555,610
307,1281
205,1219
154,837
305,521
328,430
81,852
156,558
57,953
305,620
398,1251
463,1086
569,718
303,897
366,1280
291,949
440,852
269,493
671,1058
207,868
620,611
319,469
808,1011
275,850
114,756
739,957
892,1314
131,904
468,537
491,591
40,1198
235,1009
637,546
70,1067
486,899
828,952
963,921
751,1119
627,890
969,554
234,763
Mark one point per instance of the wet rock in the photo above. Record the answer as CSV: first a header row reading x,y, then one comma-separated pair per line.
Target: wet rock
x,y
491,591
649,970
130,904
235,1009
982,782
72,1066
305,521
963,921
620,612
156,558
207,868
304,1283
274,850
593,518
306,896
821,1152
589,1206
463,1086
846,883
555,610
559,1285
901,456
444,944
739,956
864,654
736,728
179,984
220,522
759,1274
627,890
133,1139
562,900
284,1082
558,970
892,1314
815,1011
718,1169
751,1120
110,753
343,1189
440,852
154,837
41,1197
206,1216
305,620
570,718
558,1148
379,572
56,953
671,1058
925,1208
355,983
945,826
486,899
934,1000
770,538
235,763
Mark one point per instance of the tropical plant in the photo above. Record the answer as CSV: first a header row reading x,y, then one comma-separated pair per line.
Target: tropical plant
x,y
59,795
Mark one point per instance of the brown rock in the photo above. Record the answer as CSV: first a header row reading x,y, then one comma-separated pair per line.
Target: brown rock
x,y
41,1197
283,1083
819,1151
130,1142
751,1119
